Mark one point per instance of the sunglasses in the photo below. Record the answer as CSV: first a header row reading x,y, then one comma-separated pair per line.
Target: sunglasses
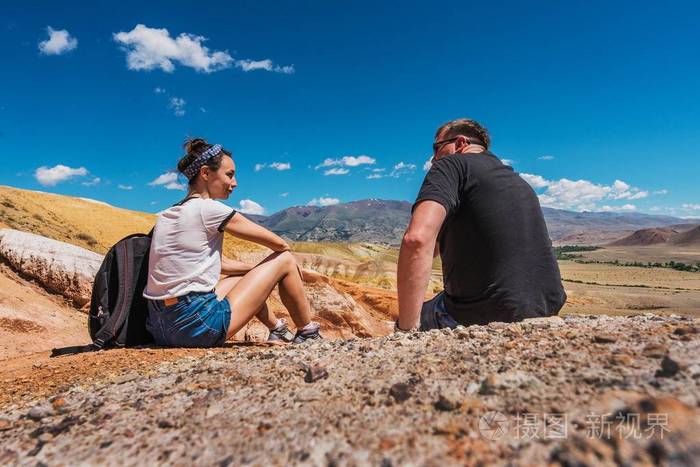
x,y
438,145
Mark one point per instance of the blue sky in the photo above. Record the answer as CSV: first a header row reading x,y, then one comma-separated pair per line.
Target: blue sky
x,y
598,103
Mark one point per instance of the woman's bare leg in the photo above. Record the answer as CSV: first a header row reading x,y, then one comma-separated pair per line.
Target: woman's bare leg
x,y
225,286
249,293
293,297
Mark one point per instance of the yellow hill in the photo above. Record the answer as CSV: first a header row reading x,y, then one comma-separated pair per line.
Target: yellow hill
x,y
90,224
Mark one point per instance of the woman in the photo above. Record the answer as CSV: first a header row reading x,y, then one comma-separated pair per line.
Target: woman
x,y
188,304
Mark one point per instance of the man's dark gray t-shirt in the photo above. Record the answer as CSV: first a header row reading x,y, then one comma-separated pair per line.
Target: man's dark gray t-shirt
x,y
497,259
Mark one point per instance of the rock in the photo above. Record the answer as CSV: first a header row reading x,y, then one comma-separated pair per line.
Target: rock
x,y
59,405
166,423
314,373
655,350
448,401
544,322
60,267
621,359
400,391
125,378
40,411
5,424
604,338
672,363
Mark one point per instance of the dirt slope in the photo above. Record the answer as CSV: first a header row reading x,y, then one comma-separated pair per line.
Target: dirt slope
x,y
33,320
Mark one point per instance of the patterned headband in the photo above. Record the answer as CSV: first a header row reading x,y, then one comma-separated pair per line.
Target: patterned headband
x,y
192,170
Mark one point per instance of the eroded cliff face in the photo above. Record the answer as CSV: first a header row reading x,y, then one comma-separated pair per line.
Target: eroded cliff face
x,y
582,390
59,267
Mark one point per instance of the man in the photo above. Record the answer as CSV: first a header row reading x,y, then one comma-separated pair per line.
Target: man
x,y
497,258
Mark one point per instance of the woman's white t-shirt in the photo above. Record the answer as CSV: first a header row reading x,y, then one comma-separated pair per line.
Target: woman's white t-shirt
x,y
186,248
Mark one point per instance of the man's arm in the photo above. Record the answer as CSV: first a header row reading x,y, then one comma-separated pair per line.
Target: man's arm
x,y
416,260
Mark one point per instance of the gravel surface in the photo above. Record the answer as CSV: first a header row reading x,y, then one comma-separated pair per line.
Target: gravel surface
x,y
578,390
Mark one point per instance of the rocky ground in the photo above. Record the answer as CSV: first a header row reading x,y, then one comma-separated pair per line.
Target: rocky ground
x,y
582,390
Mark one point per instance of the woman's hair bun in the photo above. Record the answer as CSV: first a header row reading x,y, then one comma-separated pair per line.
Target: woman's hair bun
x,y
196,145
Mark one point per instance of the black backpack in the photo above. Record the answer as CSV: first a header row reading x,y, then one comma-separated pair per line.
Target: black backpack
x,y
118,310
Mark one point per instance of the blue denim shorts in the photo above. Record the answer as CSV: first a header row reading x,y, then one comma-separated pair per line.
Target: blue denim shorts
x,y
434,314
196,320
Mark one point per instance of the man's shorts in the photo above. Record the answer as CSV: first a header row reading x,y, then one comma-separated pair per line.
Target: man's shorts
x,y
434,314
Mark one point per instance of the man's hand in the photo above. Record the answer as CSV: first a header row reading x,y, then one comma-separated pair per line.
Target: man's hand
x,y
416,260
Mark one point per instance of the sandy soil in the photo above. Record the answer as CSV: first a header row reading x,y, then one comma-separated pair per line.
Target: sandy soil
x,y
33,320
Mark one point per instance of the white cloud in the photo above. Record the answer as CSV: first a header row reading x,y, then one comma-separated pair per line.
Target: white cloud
x,y
582,195
378,170
125,187
546,158
655,208
248,206
348,161
691,207
508,161
281,166
323,201
151,48
274,165
374,176
93,182
285,194
622,190
625,207
336,171
403,166
60,173
178,106
158,90
168,180
203,110
59,41
267,65
428,164
661,192
535,181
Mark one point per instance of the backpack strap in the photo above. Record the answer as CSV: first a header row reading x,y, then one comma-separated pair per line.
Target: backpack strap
x,y
180,203
116,320
72,350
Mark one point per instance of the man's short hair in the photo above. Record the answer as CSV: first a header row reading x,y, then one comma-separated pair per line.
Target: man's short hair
x,y
465,127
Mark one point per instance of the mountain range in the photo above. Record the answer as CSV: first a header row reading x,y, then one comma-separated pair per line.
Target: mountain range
x,y
384,221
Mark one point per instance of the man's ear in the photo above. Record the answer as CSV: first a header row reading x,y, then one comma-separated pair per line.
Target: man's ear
x,y
461,143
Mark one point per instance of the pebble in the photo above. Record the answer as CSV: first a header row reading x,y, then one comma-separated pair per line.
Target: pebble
x,y
125,378
314,373
400,391
40,411
602,338
655,351
5,424
448,401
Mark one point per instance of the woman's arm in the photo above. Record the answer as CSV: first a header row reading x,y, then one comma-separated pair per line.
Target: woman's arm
x,y
241,227
233,267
